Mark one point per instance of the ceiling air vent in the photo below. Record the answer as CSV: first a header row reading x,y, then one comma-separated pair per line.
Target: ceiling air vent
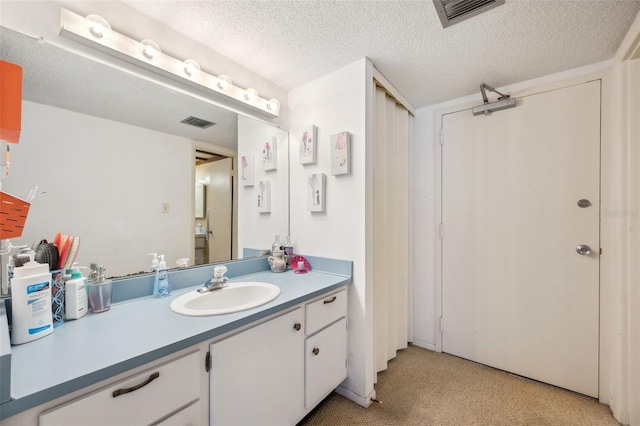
x,y
197,122
453,11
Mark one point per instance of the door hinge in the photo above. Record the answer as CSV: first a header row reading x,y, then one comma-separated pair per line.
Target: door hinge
x,y
441,325
441,231
346,362
600,251
207,361
441,136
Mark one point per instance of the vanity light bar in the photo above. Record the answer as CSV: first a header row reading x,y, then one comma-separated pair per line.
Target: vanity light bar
x,y
147,54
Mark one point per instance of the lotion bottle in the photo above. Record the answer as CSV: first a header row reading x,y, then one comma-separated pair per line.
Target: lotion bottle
x,y
31,294
76,299
162,288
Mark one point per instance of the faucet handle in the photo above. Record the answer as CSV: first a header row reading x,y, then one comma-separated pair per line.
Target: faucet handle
x,y
219,271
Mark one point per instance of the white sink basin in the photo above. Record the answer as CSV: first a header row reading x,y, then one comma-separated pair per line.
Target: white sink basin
x,y
235,297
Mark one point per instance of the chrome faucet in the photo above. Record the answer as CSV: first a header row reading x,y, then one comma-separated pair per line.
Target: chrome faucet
x,y
217,282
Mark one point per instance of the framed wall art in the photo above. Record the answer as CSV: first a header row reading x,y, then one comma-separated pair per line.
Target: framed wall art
x,y
341,154
308,145
270,154
263,195
316,192
247,170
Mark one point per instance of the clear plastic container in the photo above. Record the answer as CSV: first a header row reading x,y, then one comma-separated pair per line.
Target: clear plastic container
x,y
100,296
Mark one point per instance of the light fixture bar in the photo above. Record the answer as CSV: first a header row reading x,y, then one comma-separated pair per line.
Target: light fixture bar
x,y
75,27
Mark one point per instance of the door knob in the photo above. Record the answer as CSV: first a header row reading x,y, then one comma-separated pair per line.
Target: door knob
x,y
583,249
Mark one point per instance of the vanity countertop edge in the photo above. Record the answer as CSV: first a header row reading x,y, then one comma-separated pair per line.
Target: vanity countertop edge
x,y
81,353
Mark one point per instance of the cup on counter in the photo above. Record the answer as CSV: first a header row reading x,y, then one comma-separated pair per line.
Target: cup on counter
x,y
100,296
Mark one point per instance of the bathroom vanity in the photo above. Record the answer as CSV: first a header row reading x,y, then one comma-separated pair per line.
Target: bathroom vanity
x,y
141,363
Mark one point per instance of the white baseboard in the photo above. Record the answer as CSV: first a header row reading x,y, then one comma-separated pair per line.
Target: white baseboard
x,y
424,344
358,399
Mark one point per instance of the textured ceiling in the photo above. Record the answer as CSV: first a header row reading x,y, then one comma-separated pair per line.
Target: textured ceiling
x,y
293,42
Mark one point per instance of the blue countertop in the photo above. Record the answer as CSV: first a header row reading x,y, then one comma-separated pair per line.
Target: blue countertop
x,y
132,333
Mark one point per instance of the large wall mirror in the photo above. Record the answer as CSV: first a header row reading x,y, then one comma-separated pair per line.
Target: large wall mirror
x,y
119,167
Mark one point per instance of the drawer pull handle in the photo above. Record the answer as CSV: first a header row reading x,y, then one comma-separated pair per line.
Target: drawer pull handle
x,y
315,351
297,326
136,387
333,299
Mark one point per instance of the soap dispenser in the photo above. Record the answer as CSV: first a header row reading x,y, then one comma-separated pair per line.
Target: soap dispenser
x,y
161,287
154,262
99,289
76,299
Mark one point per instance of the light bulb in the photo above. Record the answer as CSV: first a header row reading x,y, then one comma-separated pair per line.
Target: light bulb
x,y
250,95
150,49
98,26
273,105
224,83
191,68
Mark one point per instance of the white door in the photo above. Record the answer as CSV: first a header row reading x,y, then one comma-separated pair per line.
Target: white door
x,y
219,209
516,295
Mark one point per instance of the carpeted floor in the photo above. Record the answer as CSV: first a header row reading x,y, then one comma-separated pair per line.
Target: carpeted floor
x,y
423,387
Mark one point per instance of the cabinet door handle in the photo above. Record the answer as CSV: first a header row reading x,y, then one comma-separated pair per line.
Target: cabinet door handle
x,y
297,326
333,299
136,387
315,351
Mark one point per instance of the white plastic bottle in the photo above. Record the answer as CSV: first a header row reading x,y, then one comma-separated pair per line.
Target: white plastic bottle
x,y
276,245
31,302
162,279
154,262
75,299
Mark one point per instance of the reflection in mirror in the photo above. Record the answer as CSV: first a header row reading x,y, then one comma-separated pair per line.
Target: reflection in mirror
x,y
119,167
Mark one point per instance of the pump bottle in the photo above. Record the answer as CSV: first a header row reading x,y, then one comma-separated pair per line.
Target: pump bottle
x,y
161,287
76,300
31,294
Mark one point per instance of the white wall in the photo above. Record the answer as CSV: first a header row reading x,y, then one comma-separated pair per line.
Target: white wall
x,y
620,225
112,197
339,101
256,229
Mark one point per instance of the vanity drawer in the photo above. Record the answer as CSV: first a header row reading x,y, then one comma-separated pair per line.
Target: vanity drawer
x,y
170,387
324,311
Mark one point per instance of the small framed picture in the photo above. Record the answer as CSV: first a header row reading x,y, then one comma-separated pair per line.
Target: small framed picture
x,y
263,195
316,192
247,170
308,146
341,154
270,154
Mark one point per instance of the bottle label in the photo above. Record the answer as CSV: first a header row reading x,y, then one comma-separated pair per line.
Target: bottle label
x,y
163,283
39,329
38,300
34,289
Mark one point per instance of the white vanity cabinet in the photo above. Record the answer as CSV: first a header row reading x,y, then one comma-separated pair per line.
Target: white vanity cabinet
x,y
166,394
276,372
256,376
325,349
273,371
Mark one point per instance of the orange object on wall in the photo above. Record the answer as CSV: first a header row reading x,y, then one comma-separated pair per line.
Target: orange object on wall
x,y
10,101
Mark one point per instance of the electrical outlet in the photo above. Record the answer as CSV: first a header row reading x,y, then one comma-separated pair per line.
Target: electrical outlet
x,y
165,208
